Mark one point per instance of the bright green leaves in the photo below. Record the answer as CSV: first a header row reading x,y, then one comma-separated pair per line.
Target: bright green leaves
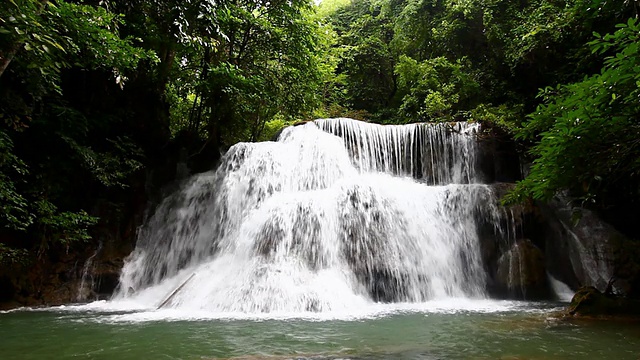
x,y
435,89
56,35
262,60
62,227
41,42
444,60
589,131
368,67
327,8
541,23
91,34
363,78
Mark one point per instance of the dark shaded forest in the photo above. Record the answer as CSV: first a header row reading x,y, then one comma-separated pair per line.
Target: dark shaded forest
x,y
103,104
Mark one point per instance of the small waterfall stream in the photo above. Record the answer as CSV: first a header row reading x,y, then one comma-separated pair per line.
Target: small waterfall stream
x,y
86,280
335,215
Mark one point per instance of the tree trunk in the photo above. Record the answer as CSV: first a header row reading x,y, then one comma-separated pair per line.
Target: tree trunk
x,y
6,57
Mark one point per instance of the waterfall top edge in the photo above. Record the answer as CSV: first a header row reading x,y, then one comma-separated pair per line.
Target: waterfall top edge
x,y
319,121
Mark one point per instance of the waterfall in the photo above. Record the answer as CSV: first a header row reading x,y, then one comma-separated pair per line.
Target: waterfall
x,y
334,215
86,280
434,153
561,290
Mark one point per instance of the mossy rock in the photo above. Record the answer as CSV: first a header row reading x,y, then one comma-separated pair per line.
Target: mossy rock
x,y
590,302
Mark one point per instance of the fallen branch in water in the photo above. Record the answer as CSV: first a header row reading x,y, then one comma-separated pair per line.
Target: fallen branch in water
x,y
175,292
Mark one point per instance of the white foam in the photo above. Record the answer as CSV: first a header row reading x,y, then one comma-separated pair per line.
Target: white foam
x,y
317,223
112,312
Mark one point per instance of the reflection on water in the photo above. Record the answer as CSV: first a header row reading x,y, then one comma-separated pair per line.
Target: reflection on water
x,y
511,331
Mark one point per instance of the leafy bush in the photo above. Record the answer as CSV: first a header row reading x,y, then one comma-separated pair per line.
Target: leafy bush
x,y
589,131
434,89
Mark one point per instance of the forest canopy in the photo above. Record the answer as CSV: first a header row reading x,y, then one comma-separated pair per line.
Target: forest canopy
x,y
99,99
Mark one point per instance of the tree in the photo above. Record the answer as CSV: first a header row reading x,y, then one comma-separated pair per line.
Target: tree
x,y
43,137
589,131
435,89
244,62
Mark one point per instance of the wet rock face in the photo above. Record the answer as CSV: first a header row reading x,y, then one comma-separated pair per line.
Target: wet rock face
x,y
39,282
7,289
513,250
521,273
498,157
64,278
577,255
383,285
106,278
583,250
627,266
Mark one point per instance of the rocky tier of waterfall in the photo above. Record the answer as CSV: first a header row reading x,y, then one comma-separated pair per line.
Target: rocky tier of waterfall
x,y
335,214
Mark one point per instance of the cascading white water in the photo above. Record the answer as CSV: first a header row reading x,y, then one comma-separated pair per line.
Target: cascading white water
x,y
434,153
86,280
334,215
561,290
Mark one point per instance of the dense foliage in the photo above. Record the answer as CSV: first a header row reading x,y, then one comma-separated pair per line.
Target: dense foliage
x,y
589,131
438,60
100,99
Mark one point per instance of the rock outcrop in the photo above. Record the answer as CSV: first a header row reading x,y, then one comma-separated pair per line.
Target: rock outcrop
x,y
521,273
591,303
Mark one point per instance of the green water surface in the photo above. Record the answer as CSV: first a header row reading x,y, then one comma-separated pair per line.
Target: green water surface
x,y
60,334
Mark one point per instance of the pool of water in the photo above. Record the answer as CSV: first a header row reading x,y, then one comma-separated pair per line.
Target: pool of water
x,y
478,330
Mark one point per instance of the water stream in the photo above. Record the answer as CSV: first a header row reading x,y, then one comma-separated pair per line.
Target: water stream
x,y
477,329
86,280
342,240
317,222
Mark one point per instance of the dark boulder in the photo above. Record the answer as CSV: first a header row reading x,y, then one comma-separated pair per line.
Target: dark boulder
x,y
521,273
498,156
590,302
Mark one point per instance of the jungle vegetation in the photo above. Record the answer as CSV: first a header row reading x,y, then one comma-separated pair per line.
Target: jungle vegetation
x,y
100,98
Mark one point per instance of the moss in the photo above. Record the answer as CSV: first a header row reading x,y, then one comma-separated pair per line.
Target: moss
x,y
589,302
